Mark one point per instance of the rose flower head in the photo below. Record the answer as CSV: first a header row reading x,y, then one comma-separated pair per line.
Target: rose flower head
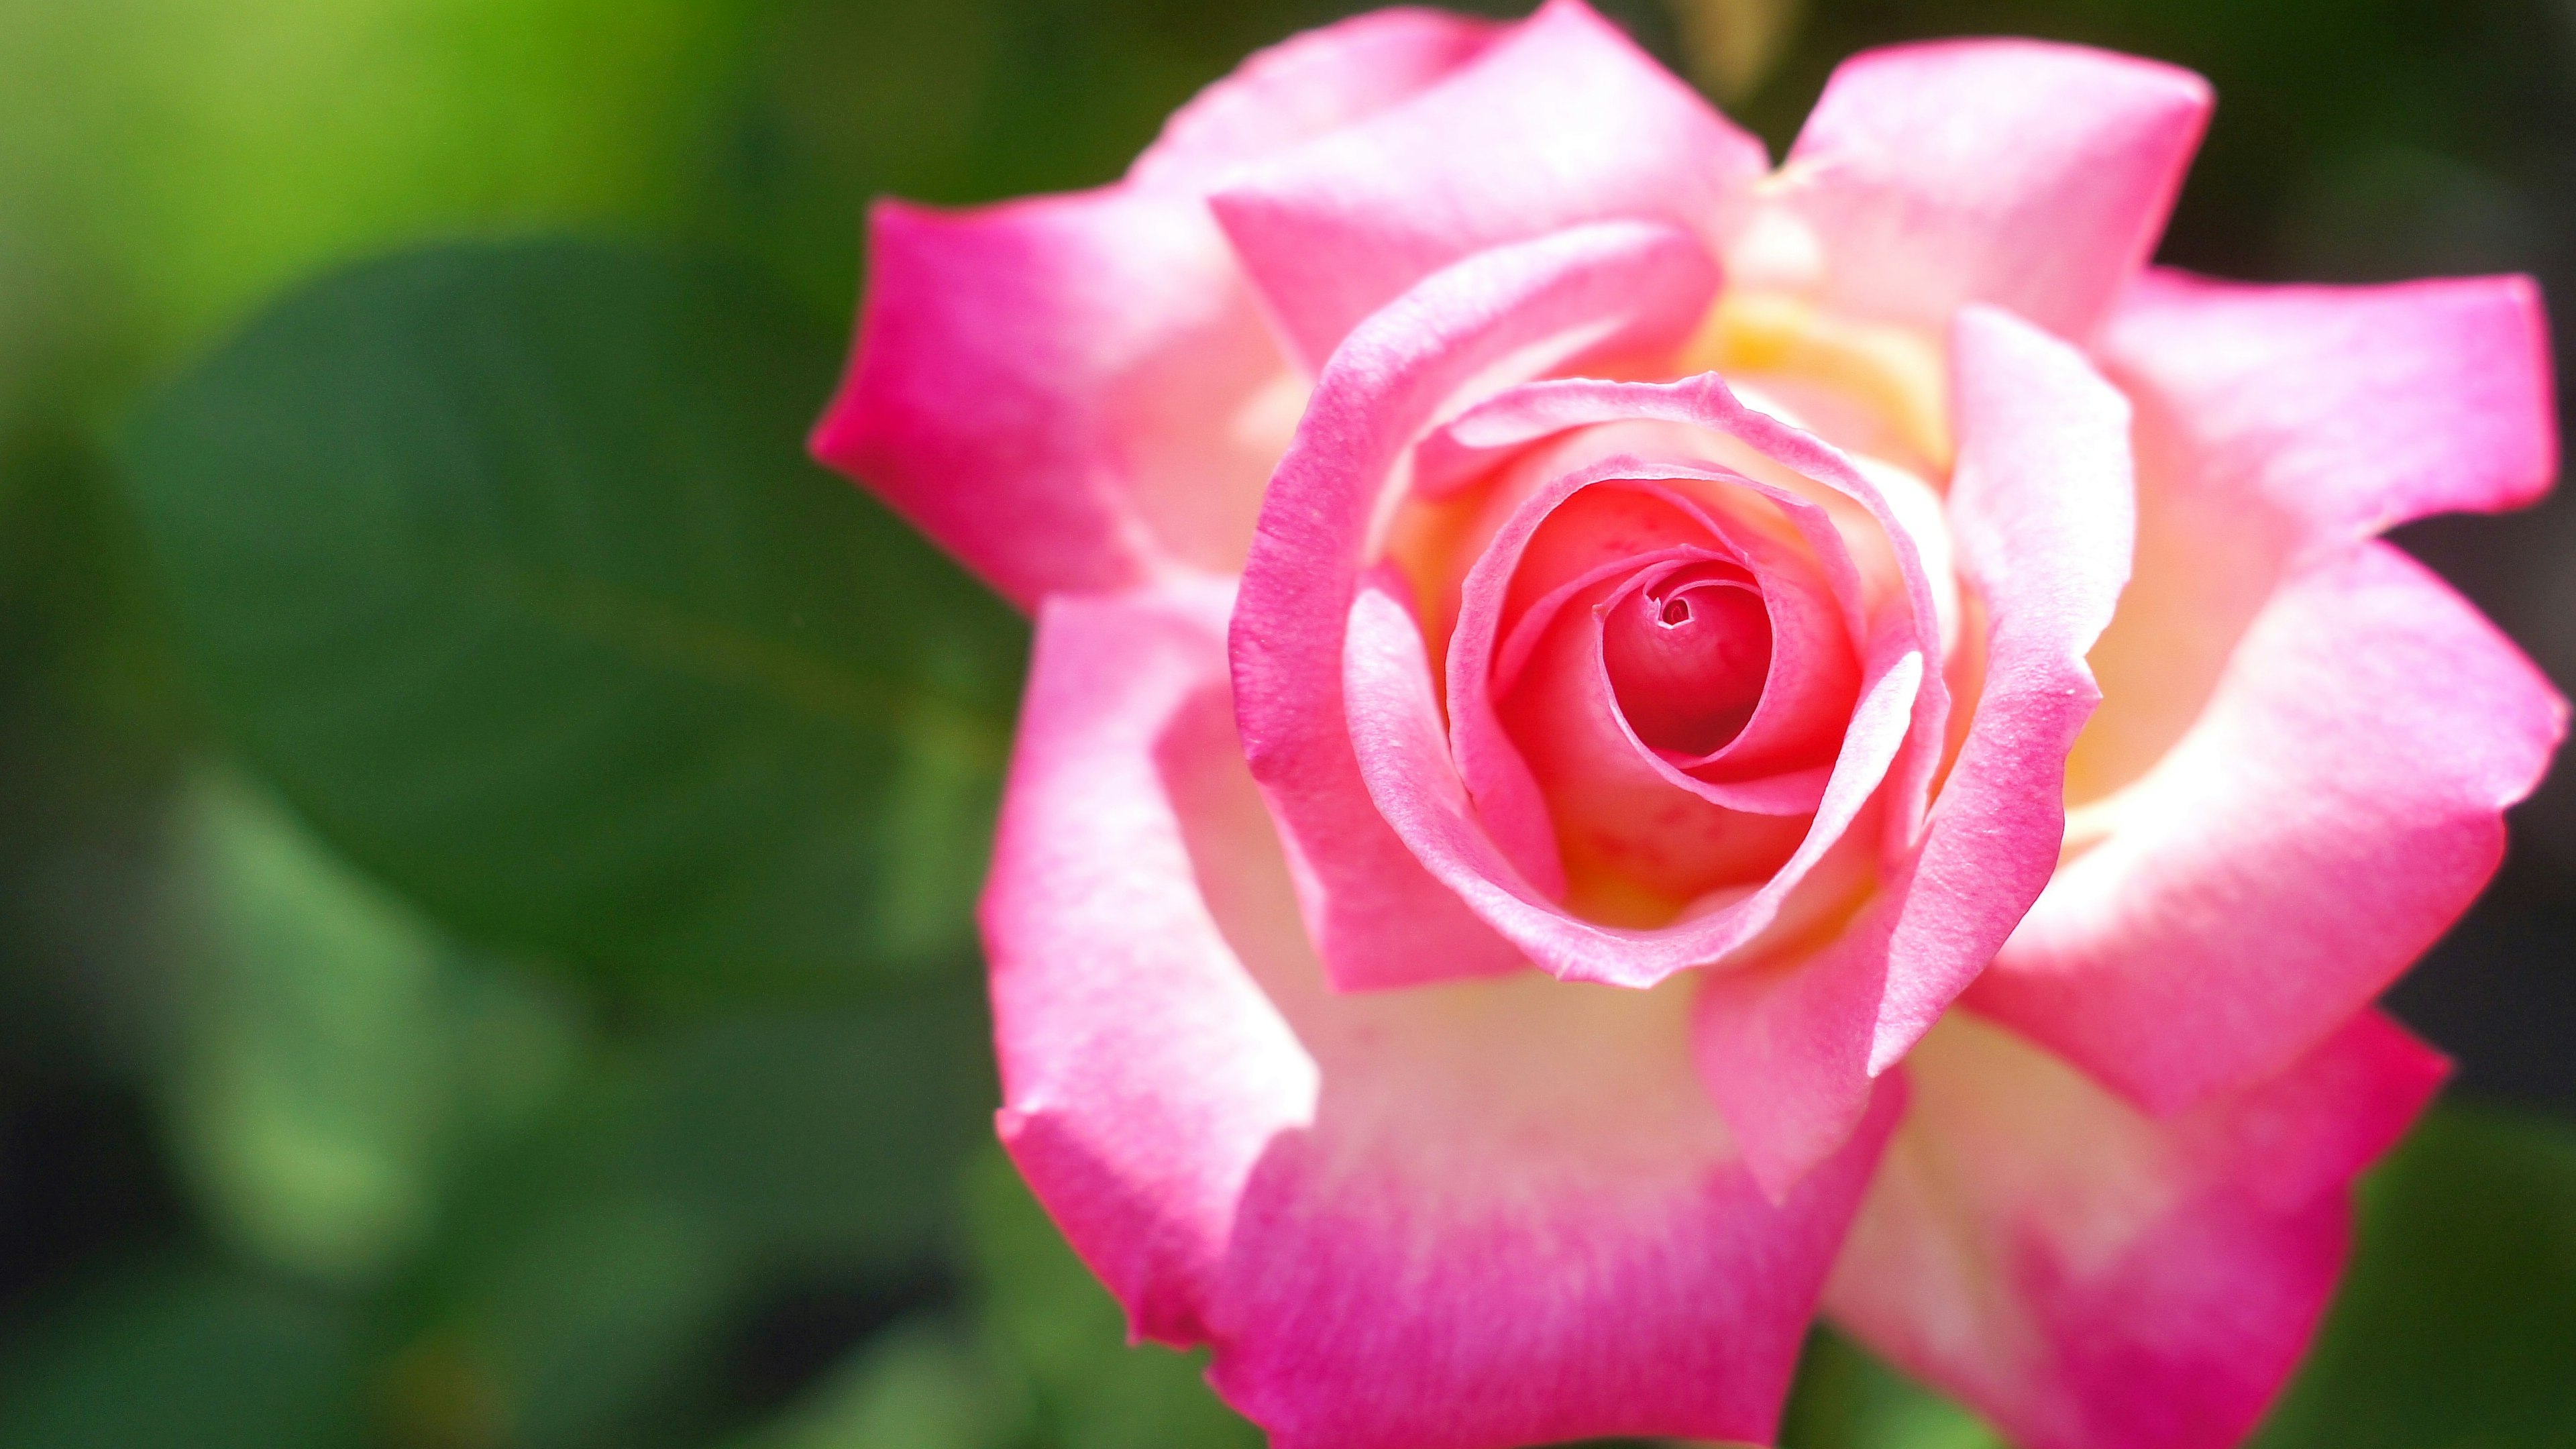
x,y
1628,745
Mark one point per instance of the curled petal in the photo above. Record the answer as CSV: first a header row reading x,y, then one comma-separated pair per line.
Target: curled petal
x,y
1625,818
2029,175
2333,811
1560,121
1070,392
1900,596
1393,711
1081,392
1686,653
2040,508
2305,744
2089,1277
1377,917
1549,753
1405,763
1466,1217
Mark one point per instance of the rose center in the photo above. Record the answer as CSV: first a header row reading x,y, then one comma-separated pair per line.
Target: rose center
x,y
1687,656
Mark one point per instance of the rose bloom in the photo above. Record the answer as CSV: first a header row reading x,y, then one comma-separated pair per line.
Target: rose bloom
x,y
1627,745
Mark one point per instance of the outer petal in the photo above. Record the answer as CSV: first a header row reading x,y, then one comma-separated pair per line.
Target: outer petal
x,y
2041,510
2334,809
2030,175
1378,919
1070,392
1309,85
2088,1277
1143,1071
1562,121
1465,1217
2275,422
2349,409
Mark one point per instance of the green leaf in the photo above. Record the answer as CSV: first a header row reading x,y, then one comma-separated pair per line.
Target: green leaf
x,y
1845,1398
823,1142
1068,1336
174,1357
333,1046
2456,1325
305,1098
918,1385
587,1322
508,565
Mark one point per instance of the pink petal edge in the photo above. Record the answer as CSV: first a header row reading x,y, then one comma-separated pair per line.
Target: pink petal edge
x,y
1560,121
2030,175
2336,807
2088,1277
1310,85
1065,392
2348,409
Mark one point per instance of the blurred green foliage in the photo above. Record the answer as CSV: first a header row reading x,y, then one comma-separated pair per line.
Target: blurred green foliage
x,y
507,564
486,855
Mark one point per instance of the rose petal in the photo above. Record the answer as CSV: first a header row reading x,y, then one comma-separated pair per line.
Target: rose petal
x,y
1377,917
1653,832
1393,714
2352,409
1899,588
2029,175
2040,511
1405,763
2088,1277
1070,392
1627,821
1307,86
1564,527
1143,1071
1520,573
1465,1217
1560,121
2333,811
2276,421
1686,653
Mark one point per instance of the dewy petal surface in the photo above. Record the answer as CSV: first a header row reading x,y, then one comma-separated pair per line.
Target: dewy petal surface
x,y
2029,175
1377,917
1068,392
2334,809
2040,508
1467,1217
1560,121
2089,1277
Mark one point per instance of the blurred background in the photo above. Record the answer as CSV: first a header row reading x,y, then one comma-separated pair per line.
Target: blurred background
x,y
486,831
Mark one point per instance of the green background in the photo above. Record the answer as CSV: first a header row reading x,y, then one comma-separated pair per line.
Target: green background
x,y
487,830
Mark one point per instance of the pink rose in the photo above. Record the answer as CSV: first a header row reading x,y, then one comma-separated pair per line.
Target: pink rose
x,y
1561,817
